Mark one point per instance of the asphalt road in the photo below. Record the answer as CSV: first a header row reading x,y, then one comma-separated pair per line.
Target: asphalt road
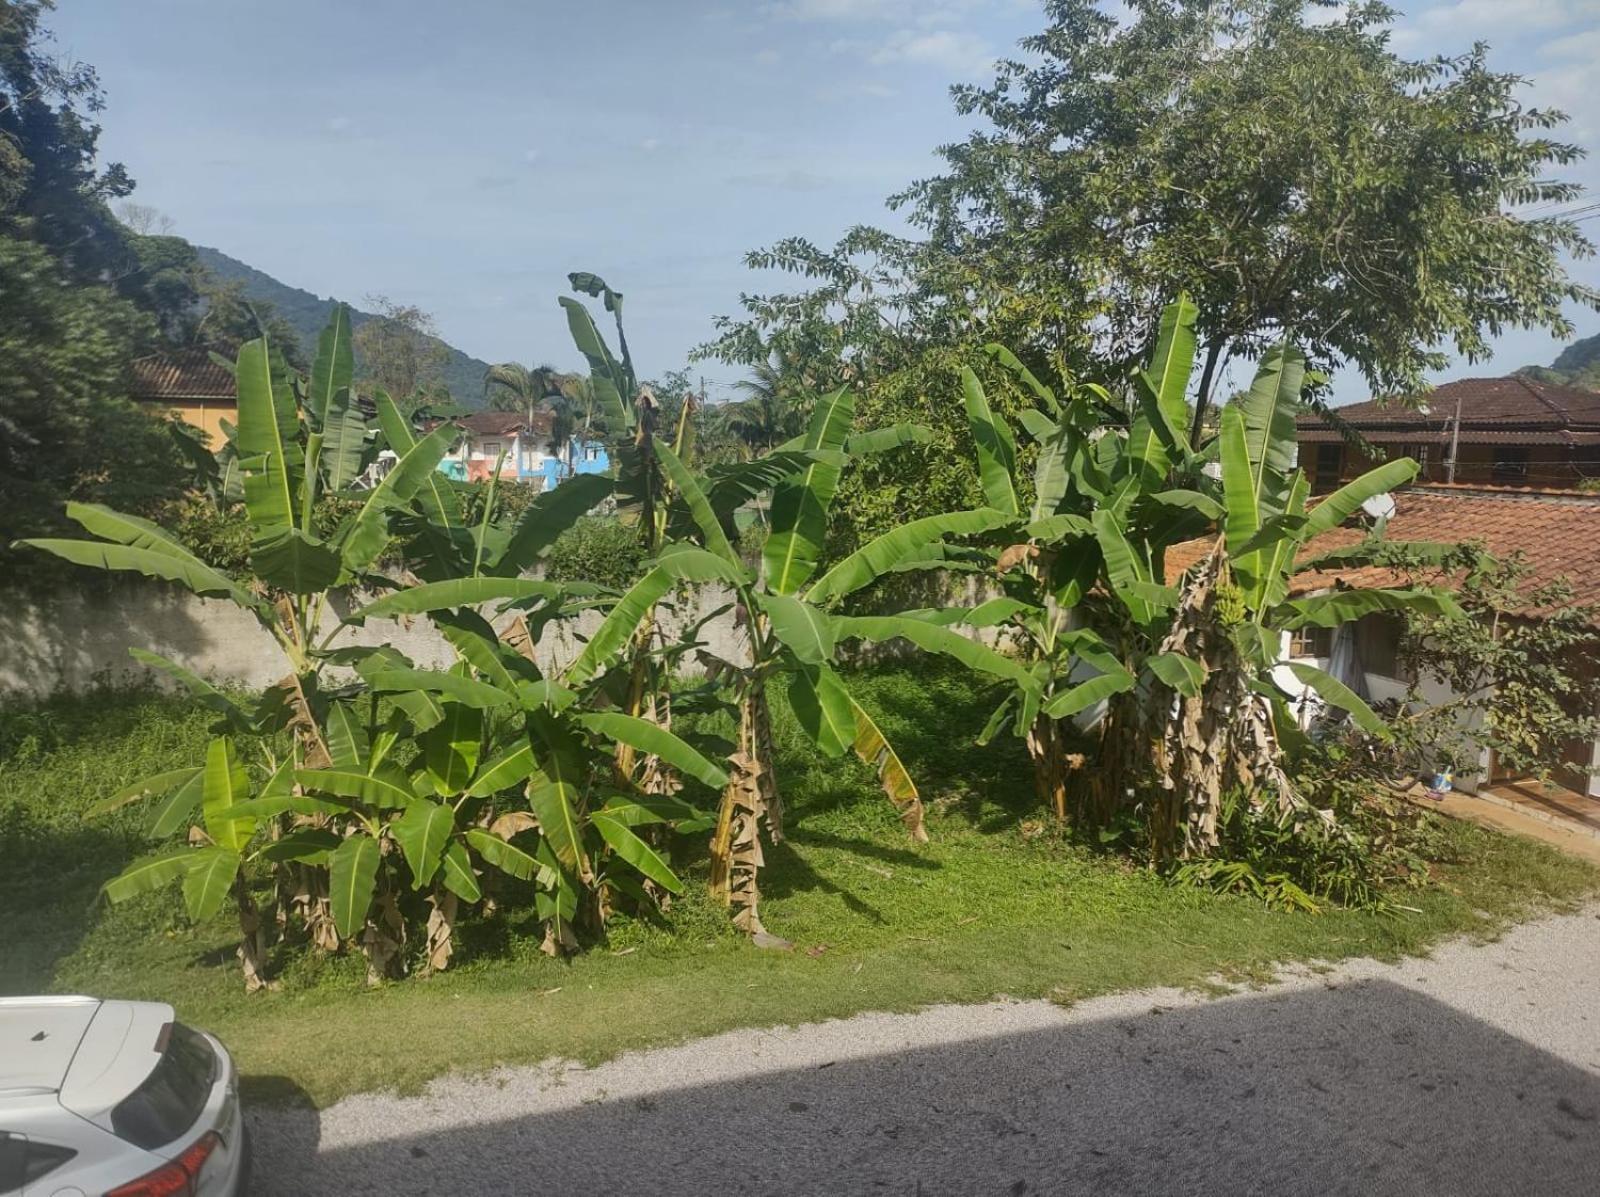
x,y
1474,1072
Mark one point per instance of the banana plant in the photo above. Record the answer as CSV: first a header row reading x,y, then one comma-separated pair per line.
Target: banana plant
x,y
1225,716
630,413
295,440
547,769
1091,521
791,631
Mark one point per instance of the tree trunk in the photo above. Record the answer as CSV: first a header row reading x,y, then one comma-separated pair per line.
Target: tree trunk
x,y
1202,396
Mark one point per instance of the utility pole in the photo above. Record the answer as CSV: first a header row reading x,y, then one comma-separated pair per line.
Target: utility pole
x,y
1455,443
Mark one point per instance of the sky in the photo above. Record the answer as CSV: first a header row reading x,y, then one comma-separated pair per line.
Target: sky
x,y
465,156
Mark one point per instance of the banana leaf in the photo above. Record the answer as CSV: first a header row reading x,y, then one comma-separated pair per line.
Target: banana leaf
x,y
800,503
997,451
268,441
208,880
197,577
685,565
1162,386
823,708
655,740
363,539
547,517
934,639
423,832
635,851
454,592
1344,502
352,876
1011,362
1334,692
705,519
805,630
1343,606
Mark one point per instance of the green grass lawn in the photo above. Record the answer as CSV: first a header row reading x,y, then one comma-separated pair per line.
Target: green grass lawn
x,y
994,904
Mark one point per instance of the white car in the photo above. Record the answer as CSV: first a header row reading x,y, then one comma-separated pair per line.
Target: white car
x,y
115,1099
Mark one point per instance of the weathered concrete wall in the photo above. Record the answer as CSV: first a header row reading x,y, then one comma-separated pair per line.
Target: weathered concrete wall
x,y
68,640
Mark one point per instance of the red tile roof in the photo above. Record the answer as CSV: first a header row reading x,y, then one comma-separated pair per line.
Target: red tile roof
x,y
502,423
1557,532
184,374
1512,410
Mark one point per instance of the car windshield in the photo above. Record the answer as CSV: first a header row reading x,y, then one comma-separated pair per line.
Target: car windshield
x,y
172,1097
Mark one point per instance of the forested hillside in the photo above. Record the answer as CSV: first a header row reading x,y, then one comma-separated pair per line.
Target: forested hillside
x,y
308,313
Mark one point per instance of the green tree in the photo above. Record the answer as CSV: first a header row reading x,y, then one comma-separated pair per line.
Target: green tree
x,y
51,188
399,352
67,429
1525,666
1300,180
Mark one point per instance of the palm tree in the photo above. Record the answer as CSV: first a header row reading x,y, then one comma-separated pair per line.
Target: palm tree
x,y
511,386
774,407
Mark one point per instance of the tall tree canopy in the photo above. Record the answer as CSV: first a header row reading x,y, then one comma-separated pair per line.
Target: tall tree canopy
x,y
80,296
1274,159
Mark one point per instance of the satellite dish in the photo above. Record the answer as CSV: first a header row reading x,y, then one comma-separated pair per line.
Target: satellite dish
x,y
1379,507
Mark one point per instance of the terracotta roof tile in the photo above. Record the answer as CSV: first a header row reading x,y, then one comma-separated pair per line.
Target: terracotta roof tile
x,y
1558,534
185,374
504,423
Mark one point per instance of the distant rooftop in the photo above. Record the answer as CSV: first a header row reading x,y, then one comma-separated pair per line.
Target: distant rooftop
x,y
182,374
1512,410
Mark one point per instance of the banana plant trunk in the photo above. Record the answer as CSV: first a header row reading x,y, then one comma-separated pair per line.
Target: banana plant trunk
x,y
736,857
1221,737
252,937
1050,764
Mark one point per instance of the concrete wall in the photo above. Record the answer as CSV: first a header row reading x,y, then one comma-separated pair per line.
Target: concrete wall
x,y
68,640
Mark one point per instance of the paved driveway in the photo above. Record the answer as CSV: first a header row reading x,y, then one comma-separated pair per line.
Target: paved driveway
x,y
1475,1072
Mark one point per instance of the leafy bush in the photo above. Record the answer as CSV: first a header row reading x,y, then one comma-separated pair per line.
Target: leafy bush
x,y
598,549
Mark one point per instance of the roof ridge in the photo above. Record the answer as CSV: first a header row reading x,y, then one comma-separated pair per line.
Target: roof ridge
x,y
1534,389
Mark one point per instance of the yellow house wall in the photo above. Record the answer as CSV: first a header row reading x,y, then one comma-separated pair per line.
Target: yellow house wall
x,y
206,415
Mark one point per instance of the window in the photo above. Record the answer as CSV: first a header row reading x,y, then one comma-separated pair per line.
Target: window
x,y
22,1162
1311,642
1378,644
1330,463
173,1096
1510,463
491,448
593,453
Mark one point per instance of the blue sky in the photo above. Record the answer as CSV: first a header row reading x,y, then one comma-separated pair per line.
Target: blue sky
x,y
465,156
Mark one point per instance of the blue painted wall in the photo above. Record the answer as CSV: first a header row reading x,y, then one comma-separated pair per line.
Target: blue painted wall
x,y
581,463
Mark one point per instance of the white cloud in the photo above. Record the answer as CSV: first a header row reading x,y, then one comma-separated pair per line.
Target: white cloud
x,y
340,124
953,50
1575,45
650,144
835,10
768,56
1519,15
531,156
901,12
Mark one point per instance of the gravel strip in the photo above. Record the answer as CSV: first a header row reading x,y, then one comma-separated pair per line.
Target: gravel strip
x,y
1474,1071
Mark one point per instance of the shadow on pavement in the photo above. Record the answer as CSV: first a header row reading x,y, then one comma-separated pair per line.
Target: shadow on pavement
x,y
1364,1088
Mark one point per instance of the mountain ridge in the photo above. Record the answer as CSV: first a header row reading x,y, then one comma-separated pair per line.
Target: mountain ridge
x,y
306,313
